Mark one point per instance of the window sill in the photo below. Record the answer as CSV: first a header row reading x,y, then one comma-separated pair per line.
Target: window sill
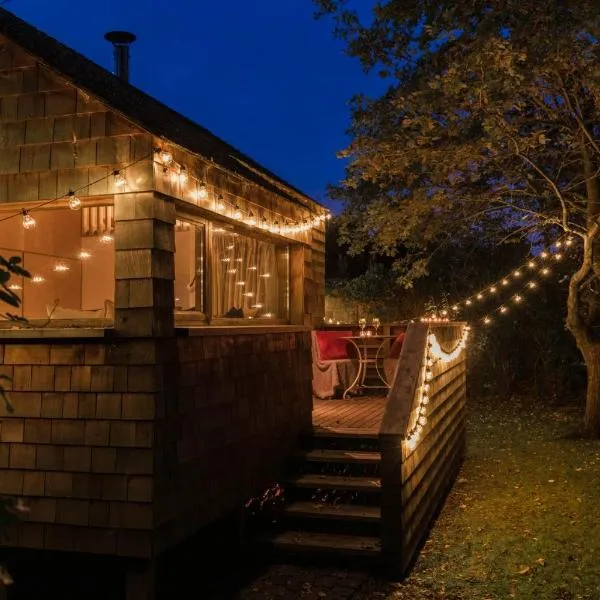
x,y
245,329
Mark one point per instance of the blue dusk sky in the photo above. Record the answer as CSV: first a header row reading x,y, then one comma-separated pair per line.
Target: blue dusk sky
x,y
264,75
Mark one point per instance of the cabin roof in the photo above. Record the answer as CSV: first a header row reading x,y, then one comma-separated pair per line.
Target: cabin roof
x,y
139,107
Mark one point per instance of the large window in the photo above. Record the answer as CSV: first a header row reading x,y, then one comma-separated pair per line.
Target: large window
x,y
70,255
246,278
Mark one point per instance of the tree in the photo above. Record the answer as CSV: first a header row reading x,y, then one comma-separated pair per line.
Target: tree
x,y
490,123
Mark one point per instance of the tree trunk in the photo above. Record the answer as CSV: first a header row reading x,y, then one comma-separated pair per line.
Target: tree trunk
x,y
590,350
592,404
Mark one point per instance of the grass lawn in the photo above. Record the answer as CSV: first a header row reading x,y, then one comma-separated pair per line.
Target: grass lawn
x,y
523,518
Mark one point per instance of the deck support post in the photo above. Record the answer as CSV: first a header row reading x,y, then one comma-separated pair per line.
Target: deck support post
x,y
140,580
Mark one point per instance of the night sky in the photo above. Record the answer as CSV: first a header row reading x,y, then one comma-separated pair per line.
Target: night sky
x,y
263,74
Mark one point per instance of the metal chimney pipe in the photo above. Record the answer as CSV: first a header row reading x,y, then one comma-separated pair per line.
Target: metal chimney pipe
x,y
121,40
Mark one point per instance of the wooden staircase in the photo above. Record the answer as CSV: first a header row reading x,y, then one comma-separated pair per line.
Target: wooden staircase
x,y
332,499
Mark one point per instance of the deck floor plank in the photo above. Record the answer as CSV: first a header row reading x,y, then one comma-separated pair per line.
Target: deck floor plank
x,y
360,414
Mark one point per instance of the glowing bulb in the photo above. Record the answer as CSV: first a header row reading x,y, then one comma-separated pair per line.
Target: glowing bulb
x,y
230,247
544,254
28,220
532,284
487,320
84,255
503,309
237,213
493,290
545,271
120,179
422,420
558,244
268,315
106,238
505,282
232,271
226,259
61,268
74,202
257,305
14,287
251,220
240,283
220,204
569,242
479,296
517,273
202,191
249,294
557,256
252,268
166,158
455,307
468,302
37,279
518,298
531,264
183,176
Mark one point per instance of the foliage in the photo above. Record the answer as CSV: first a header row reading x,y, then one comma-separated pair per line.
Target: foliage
x,y
514,525
489,125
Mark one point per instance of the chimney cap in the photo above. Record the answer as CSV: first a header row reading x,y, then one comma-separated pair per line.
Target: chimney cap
x,y
120,37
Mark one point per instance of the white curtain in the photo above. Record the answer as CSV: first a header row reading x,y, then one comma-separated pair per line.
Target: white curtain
x,y
245,279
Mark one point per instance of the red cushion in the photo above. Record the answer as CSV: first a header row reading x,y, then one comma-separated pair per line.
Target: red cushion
x,y
332,345
397,345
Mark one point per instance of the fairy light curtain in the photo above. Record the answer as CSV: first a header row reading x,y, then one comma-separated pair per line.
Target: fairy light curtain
x,y
248,280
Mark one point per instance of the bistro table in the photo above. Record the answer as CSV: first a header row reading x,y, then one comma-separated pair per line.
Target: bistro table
x,y
368,351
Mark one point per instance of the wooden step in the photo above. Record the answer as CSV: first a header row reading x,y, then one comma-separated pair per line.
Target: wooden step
x,y
336,482
326,543
343,456
345,432
344,512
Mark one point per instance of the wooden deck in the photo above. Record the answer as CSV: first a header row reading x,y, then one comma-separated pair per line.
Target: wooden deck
x,y
353,415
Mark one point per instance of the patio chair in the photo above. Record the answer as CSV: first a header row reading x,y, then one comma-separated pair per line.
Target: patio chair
x,y
332,363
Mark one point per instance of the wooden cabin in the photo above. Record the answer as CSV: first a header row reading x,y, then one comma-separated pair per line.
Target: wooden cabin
x,y
165,366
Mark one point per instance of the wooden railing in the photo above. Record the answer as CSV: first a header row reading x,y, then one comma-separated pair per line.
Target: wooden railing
x,y
422,438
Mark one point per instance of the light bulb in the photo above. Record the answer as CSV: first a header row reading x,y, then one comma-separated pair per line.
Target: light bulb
x,y
61,268
266,275
455,307
183,176
14,287
544,254
557,256
493,290
503,309
28,220
505,282
166,158
237,213
479,296
120,179
518,298
37,279
106,238
545,271
532,284
202,191
517,273
74,202
220,204
468,302
84,255
487,320
531,264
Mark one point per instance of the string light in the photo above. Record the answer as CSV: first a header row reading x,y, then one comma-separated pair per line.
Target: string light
x,y
37,279
61,268
106,238
84,255
28,221
202,191
183,176
433,353
74,201
120,179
